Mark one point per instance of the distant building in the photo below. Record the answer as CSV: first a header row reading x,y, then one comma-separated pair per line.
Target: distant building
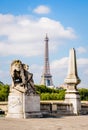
x,y
63,86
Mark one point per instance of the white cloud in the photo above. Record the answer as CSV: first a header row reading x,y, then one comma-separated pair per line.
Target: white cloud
x,y
59,64
59,70
42,9
37,71
86,72
4,75
82,61
22,35
81,50
19,49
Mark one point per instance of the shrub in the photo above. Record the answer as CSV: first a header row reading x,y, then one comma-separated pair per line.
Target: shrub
x,y
83,93
4,92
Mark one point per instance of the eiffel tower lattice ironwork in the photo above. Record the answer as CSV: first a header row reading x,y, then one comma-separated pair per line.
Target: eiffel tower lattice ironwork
x,y
46,78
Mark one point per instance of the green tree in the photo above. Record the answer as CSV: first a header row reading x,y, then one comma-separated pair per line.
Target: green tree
x,y
50,93
83,94
4,92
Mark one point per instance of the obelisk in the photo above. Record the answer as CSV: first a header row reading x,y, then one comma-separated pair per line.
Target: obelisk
x,y
72,95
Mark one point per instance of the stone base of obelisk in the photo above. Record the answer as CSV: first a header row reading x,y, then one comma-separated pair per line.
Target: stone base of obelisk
x,y
73,97
23,106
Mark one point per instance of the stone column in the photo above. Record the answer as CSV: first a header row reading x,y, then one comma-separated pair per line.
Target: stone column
x,y
72,80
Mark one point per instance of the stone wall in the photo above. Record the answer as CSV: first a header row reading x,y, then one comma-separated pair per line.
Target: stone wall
x,y
3,106
56,108
84,108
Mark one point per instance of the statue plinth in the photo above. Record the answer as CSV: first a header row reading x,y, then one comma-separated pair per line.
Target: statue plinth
x,y
15,104
31,106
21,105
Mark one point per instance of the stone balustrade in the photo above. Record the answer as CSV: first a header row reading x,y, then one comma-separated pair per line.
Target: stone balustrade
x,y
56,108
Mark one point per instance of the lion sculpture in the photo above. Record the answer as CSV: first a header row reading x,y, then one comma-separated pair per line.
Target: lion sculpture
x,y
21,76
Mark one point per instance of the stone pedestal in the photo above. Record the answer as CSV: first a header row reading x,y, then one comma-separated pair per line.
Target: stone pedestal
x,y
15,105
23,106
73,97
31,106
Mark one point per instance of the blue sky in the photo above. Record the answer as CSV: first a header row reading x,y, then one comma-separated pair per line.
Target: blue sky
x,y
23,26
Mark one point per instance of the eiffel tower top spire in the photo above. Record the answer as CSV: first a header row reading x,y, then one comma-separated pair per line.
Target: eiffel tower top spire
x,y
46,38
46,57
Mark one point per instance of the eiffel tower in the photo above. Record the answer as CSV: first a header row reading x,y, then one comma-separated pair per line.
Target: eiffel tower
x,y
46,78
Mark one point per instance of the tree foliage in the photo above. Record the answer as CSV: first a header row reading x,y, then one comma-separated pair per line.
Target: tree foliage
x,y
50,93
4,92
83,94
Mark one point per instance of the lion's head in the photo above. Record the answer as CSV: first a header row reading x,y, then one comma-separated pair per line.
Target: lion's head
x,y
16,65
16,71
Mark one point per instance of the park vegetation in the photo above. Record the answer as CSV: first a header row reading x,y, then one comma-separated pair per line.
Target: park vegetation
x,y
83,94
4,92
44,92
50,93
58,94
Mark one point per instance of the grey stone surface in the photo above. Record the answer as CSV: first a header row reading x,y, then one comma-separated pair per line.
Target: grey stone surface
x,y
61,123
15,105
32,103
23,106
31,106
